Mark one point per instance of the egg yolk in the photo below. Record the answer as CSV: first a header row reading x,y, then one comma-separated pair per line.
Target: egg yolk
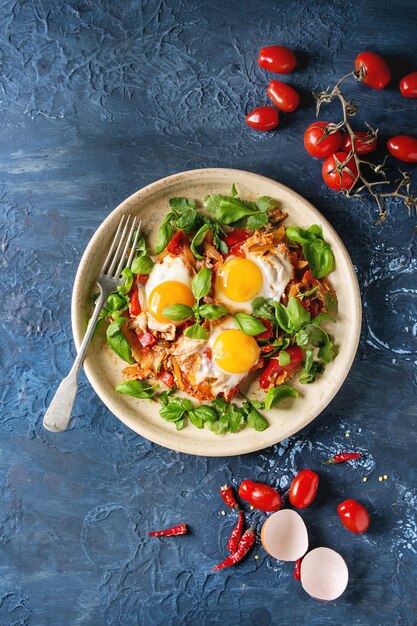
x,y
239,280
170,292
235,352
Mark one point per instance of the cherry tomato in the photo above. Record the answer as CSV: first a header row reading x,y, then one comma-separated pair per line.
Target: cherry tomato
x,y
408,85
267,377
278,59
262,497
304,488
283,96
377,72
263,118
353,516
362,144
339,180
403,147
321,149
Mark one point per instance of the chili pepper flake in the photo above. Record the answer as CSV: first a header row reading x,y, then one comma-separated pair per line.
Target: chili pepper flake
x,y
181,529
226,493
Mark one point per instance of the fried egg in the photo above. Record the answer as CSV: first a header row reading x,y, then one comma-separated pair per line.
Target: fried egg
x,y
240,280
224,359
169,283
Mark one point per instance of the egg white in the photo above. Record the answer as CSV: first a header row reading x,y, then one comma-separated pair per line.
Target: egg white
x,y
277,271
170,268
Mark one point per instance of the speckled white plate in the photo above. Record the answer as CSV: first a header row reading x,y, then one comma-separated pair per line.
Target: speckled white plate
x,y
103,368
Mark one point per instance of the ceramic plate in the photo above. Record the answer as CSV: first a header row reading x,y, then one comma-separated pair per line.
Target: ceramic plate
x,y
103,368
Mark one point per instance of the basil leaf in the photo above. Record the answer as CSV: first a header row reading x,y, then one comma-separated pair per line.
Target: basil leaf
x,y
220,404
303,235
212,311
265,203
179,423
141,247
181,204
254,418
297,314
137,389
233,192
282,317
195,419
206,413
320,257
327,352
142,264
228,209
198,240
201,284
177,312
249,324
164,234
276,394
284,358
172,411
256,221
330,302
196,332
236,418
264,307
118,342
116,302
164,396
127,286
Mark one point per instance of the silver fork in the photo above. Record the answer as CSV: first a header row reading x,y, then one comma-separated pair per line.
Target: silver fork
x,y
58,414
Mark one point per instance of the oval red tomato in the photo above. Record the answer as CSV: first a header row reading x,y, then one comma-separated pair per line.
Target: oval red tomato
x,y
262,497
304,488
353,516
318,147
263,118
278,59
377,72
403,147
339,179
364,143
408,85
283,96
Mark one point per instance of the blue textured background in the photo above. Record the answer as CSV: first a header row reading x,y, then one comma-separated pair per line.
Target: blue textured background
x,y
97,99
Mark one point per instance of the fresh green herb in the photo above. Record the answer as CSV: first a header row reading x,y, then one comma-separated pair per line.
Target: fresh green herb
x,y
317,252
164,235
249,324
127,285
284,358
324,317
201,283
172,411
137,389
233,192
206,413
231,210
311,368
142,264
198,240
195,419
264,308
117,340
292,317
181,205
212,311
315,336
330,302
254,418
178,312
307,294
276,394
196,332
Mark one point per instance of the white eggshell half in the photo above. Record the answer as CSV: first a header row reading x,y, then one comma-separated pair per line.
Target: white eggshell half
x,y
324,574
284,535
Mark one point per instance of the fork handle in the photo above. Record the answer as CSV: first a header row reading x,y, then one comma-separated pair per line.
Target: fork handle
x,y
58,415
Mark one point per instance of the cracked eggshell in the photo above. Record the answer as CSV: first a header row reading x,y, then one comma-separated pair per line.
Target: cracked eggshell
x,y
284,535
324,574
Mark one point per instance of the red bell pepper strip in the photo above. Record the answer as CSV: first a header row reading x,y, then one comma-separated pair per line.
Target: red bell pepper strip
x,y
273,367
134,303
176,244
167,378
181,529
147,340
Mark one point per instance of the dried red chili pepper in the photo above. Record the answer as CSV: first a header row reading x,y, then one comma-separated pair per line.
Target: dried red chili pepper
x,y
181,529
236,535
297,569
243,548
342,457
228,497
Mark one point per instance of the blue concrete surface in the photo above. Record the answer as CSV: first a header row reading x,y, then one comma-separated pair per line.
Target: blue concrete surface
x,y
97,99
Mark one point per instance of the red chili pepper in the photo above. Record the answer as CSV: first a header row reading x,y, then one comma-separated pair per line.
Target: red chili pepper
x,y
226,493
167,378
273,367
147,340
236,535
267,334
236,236
176,244
297,569
181,529
243,548
134,303
342,457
